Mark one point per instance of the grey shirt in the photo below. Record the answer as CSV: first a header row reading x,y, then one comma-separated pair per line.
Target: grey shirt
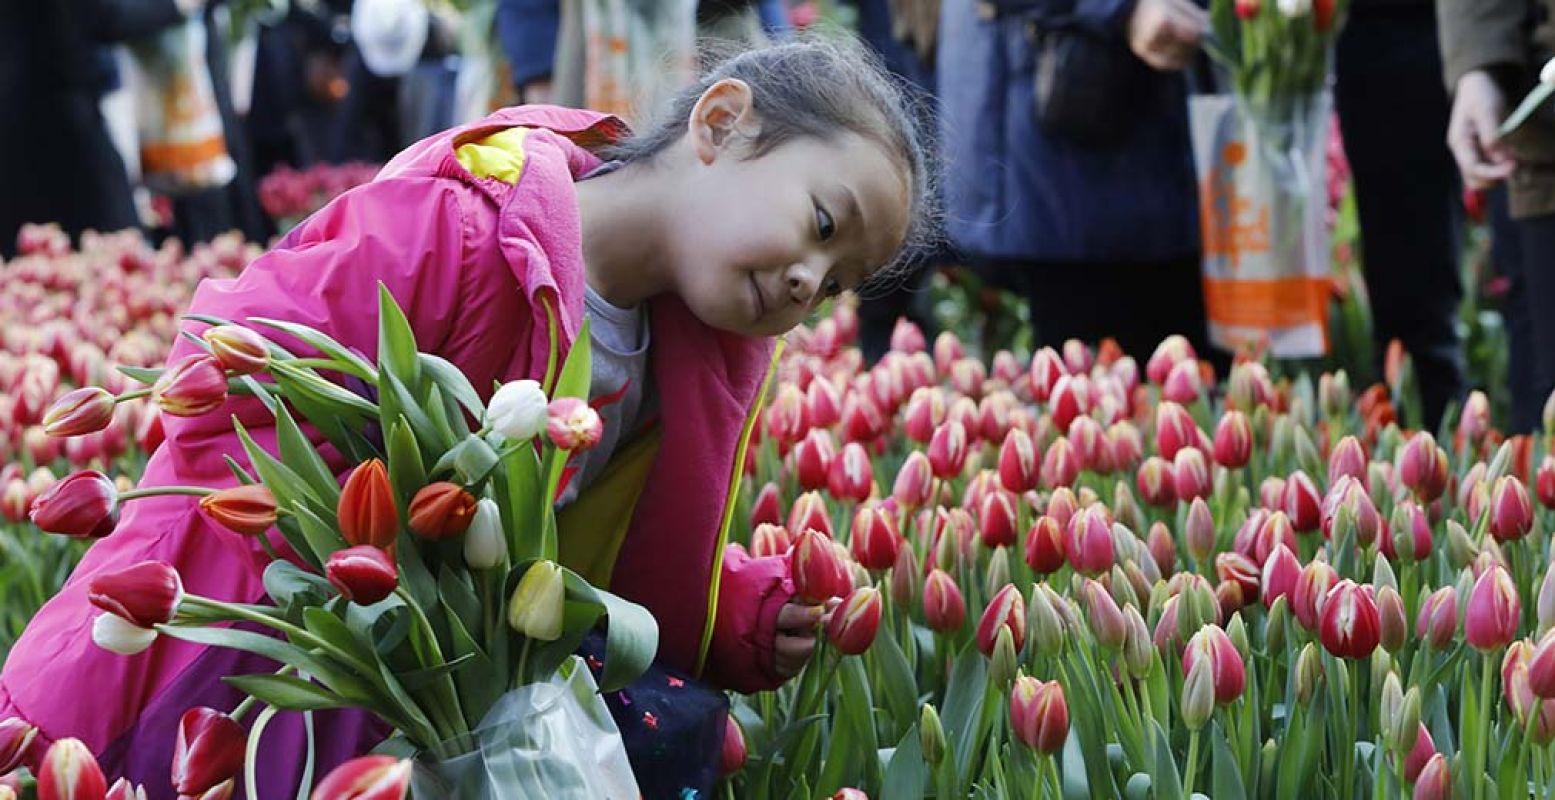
x,y
619,360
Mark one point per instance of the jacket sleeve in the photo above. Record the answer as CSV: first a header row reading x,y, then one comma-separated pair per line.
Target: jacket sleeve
x,y
1478,34
750,594
1105,18
528,30
121,20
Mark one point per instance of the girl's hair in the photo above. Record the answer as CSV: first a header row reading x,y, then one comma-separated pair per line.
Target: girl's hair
x,y
821,85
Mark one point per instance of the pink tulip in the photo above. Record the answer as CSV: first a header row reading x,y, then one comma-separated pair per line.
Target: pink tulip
x,y
809,512
1044,546
731,758
817,573
1171,351
237,348
1061,465
1437,621
1435,780
1071,398
16,739
1039,714
80,411
363,574
1183,384
1419,755
1088,542
1511,512
70,772
1007,609
1348,458
1490,621
770,540
768,507
84,505
852,476
1046,370
571,424
1302,502
1190,474
193,386
1422,467
1280,574
813,457
944,609
925,412
996,519
1350,626
854,624
1018,463
1174,429
822,404
914,481
1156,483
1211,645
948,450
366,778
1233,440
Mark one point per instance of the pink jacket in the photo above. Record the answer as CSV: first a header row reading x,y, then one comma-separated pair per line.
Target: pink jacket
x,y
474,262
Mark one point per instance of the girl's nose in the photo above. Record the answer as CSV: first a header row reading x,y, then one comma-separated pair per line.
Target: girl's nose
x,y
803,283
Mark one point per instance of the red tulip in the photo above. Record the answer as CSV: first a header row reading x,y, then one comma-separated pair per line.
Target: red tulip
x,y
809,511
996,519
785,416
1039,714
1350,626
1156,483
861,418
948,449
813,458
70,772
851,476
1511,512
875,539
850,793
1044,546
1018,463
1302,502
1062,505
1541,667
1007,609
1422,467
84,505
994,415
925,413
80,411
1474,420
1437,621
944,609
1347,458
366,778
1174,429
1410,538
1168,353
731,758
1349,494
209,750
1061,465
146,594
1163,548
441,511
854,623
770,540
907,337
121,789
1211,645
1071,398
193,386
249,510
1311,592
822,404
768,507
1046,369
1544,482
1125,448
367,509
16,738
1106,619
1238,569
363,574
1280,573
1190,474
237,348
914,481
817,573
1233,440
1183,384
1517,688
1247,9
1089,442
571,424
1088,542
1490,621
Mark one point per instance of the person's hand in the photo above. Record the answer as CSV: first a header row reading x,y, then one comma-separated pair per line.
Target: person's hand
x,y
536,92
797,625
1473,132
1165,33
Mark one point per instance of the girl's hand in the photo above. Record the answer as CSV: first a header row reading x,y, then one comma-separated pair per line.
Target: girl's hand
x,y
797,625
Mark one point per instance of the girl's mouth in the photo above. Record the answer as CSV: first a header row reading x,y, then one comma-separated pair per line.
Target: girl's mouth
x,y
761,302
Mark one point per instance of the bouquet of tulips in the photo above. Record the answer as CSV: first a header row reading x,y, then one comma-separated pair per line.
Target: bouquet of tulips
x,y
1073,577
425,589
1277,51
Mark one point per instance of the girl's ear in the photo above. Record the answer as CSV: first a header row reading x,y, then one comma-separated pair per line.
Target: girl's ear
x,y
721,116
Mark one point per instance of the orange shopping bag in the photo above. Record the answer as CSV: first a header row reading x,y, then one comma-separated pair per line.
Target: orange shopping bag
x,y
182,144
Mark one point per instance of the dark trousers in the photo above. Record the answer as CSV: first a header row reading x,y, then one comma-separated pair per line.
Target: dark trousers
x,y
880,309
1524,250
1393,111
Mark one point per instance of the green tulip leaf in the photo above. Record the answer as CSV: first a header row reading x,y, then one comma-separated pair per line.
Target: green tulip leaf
x,y
287,692
1168,783
906,774
349,361
451,380
396,341
1227,778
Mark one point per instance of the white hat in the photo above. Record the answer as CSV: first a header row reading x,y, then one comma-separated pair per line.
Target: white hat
x,y
390,34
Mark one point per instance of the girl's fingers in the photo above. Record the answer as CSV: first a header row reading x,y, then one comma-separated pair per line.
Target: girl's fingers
x,y
791,653
797,617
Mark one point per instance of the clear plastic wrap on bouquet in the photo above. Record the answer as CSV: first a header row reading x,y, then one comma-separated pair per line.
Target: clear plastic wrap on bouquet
x,y
554,740
1262,194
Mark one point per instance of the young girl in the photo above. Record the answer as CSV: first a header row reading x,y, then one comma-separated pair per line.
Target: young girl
x,y
787,175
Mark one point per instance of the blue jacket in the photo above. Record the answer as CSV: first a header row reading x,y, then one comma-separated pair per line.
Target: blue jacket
x,y
1013,191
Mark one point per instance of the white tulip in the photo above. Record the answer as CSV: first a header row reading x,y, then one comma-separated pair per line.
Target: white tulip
x,y
1294,8
485,543
118,635
518,410
1547,75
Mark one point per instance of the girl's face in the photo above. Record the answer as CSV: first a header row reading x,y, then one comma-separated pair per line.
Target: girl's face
x,y
761,241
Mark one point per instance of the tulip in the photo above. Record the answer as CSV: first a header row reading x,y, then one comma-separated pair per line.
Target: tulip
x,y
14,499
907,337
1106,619
1061,465
1348,494
925,413
80,411
16,738
906,578
1174,429
209,750
818,574
70,772
1190,474
914,481
191,387
1511,512
1018,462
1544,606
813,458
1211,645
822,404
1435,780
1238,569
1198,695
518,410
1044,546
1474,420
1490,621
850,793
1544,482
237,348
1302,502
363,574
1172,350
1089,442
1088,543
83,505
944,609
861,418
367,509
768,507
571,424
948,449
221,791
1392,624
1070,399
1420,753
1162,547
1309,671
1350,626
485,543
1039,714
731,758
1541,667
122,789
1411,534
854,623
875,539
1006,610
770,540
146,594
1422,467
1156,483
441,511
536,607
1046,369
1125,447
931,735
996,517
809,512
851,476
115,634
249,510
366,778
1437,621
785,417
1199,531
1233,444
1347,458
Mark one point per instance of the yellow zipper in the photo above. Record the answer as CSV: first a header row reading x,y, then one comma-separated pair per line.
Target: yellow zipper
x,y
553,331
729,503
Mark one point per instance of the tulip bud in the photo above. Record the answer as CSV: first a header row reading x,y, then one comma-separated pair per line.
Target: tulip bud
x,y
914,481
367,509
1211,647
998,575
70,772
1106,619
1347,458
1311,591
441,510
1411,538
1039,714
1511,512
1088,543
121,789
16,738
209,750
1541,668
1437,622
193,386
1274,628
1406,727
571,424
1062,505
1044,622
366,778
996,517
854,623
906,578
931,735
822,404
1490,621
1279,575
1183,383
1461,550
874,538
1070,399
1392,624
1190,474
817,573
84,505
768,507
536,607
1233,440
809,513
363,574
1156,483
1003,664
518,410
851,476
1420,752
1422,467
1350,627
1435,780
1199,531
948,450
115,634
1545,605
80,411
1301,502
145,595
1018,466
1333,393
1389,707
943,607
1044,546
1137,653
1198,695
1061,465
237,348
1046,369
1006,610
1309,671
485,543
248,510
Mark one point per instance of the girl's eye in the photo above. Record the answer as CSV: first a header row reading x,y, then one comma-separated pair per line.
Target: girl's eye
x,y
824,225
833,288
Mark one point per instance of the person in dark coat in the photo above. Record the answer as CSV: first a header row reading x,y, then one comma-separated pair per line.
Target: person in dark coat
x,y
56,157
1095,207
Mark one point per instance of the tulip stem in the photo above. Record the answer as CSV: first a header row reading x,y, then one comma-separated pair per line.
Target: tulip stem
x,y
159,491
1482,743
132,395
1538,767
1193,762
